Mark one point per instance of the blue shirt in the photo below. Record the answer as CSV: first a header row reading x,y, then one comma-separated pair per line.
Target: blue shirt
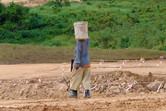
x,y
81,53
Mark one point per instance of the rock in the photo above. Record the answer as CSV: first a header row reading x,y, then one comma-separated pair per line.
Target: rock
x,y
32,81
142,59
142,93
164,86
150,74
2,97
153,86
36,85
117,91
61,87
22,92
162,90
162,57
39,86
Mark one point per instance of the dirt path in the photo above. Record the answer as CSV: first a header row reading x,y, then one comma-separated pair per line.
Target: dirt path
x,y
125,102
33,70
29,3
134,102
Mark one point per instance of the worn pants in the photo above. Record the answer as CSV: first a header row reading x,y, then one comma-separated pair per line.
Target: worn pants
x,y
82,75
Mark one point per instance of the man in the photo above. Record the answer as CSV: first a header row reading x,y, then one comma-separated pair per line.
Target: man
x,y
81,70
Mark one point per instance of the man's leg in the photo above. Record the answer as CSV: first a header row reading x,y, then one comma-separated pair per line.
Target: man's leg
x,y
76,78
75,81
86,81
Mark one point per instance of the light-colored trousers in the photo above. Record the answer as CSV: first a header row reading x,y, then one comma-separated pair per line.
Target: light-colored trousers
x,y
82,75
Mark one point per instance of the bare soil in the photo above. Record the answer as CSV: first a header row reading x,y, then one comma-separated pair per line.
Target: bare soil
x,y
29,3
43,87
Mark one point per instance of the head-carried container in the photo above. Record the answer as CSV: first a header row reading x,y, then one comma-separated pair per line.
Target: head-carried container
x,y
81,30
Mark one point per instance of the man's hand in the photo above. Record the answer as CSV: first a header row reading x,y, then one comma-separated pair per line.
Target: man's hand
x,y
76,67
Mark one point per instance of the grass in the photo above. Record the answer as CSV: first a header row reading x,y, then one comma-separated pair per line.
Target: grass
x,y
16,54
65,40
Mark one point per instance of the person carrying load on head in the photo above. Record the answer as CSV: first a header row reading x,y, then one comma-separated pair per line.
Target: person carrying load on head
x,y
81,65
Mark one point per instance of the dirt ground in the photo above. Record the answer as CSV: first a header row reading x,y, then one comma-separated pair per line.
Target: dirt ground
x,y
23,87
29,3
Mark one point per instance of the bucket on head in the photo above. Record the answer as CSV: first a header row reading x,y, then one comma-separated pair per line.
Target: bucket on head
x,y
81,30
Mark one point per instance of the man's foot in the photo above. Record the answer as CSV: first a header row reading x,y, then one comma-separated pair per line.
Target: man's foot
x,y
73,95
87,94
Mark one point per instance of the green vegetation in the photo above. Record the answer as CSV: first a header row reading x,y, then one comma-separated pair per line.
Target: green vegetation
x,y
14,54
113,24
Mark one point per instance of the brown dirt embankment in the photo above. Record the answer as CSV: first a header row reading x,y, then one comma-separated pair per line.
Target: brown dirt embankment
x,y
21,89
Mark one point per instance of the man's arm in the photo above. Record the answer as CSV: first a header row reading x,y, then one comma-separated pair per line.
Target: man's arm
x,y
78,54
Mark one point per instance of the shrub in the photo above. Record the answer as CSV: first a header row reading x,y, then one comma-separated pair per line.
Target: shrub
x,y
20,17
124,42
164,47
56,43
67,3
88,3
94,44
57,3
9,26
16,13
2,7
113,23
56,9
105,41
5,34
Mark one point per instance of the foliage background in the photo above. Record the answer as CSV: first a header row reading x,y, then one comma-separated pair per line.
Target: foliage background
x,y
113,24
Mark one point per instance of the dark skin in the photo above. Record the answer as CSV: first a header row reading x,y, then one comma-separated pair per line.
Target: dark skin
x,y
76,67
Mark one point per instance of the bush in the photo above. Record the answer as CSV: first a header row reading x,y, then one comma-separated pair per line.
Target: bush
x,y
57,3
94,44
124,42
158,47
67,3
113,23
15,18
56,43
9,26
164,47
56,9
2,7
88,3
5,34
15,13
105,41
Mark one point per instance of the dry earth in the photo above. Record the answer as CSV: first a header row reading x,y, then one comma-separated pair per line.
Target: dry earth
x,y
22,90
29,3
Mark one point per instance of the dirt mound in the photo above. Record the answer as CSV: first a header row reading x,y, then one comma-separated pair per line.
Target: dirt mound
x,y
119,82
108,84
31,89
40,108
